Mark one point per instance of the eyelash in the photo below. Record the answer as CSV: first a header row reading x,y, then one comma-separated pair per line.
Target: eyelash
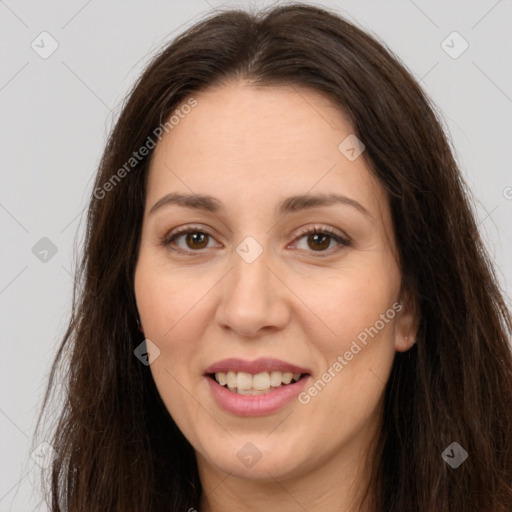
x,y
324,230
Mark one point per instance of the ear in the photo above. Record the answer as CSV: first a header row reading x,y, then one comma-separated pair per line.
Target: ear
x,y
407,322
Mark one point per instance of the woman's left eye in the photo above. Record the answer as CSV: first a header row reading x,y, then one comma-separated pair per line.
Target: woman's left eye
x,y
321,238
317,239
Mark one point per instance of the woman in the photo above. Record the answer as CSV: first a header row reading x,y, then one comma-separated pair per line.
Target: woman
x,y
284,302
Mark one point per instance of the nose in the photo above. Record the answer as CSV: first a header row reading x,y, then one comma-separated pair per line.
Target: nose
x,y
254,299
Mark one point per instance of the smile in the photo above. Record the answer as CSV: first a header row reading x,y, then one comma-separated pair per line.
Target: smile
x,y
244,383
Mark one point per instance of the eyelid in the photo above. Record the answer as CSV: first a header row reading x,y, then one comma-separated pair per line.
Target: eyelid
x,y
322,229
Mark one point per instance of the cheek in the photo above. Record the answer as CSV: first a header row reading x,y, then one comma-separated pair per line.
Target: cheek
x,y
353,336
172,305
356,300
173,317
174,314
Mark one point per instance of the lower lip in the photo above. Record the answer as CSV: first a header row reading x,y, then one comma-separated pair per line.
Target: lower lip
x,y
255,405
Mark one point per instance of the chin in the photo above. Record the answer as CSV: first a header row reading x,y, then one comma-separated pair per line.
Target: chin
x,y
257,458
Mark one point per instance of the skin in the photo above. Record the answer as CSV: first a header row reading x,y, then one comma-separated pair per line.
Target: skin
x,y
301,302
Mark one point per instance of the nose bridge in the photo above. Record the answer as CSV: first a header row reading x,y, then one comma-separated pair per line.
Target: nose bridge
x,y
251,295
249,283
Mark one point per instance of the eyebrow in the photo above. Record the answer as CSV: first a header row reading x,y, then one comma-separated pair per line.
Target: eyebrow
x,y
290,204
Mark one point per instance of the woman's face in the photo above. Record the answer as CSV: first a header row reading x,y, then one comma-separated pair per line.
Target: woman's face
x,y
251,283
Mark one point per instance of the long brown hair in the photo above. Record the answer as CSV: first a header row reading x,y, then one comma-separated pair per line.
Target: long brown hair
x,y
118,449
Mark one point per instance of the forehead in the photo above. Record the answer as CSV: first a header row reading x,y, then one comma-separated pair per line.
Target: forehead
x,y
242,142
265,122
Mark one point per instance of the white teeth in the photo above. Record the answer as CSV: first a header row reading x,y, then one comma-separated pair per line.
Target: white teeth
x,y
245,383
261,381
275,378
244,380
231,379
287,377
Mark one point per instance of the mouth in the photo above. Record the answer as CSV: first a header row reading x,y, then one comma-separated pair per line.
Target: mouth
x,y
255,388
245,383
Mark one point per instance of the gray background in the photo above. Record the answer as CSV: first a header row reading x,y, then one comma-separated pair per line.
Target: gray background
x,y
56,112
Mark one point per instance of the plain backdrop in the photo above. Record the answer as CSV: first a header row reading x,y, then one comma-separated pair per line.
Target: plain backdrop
x,y
57,109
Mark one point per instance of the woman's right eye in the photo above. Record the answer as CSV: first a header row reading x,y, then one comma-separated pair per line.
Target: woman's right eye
x,y
193,240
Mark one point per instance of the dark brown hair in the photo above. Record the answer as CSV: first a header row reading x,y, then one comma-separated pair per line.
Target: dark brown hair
x,y
117,447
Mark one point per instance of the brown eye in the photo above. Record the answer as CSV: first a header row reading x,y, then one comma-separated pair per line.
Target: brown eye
x,y
193,241
319,241
196,240
187,241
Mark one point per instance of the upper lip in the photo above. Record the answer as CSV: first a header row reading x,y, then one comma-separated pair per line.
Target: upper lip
x,y
263,364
